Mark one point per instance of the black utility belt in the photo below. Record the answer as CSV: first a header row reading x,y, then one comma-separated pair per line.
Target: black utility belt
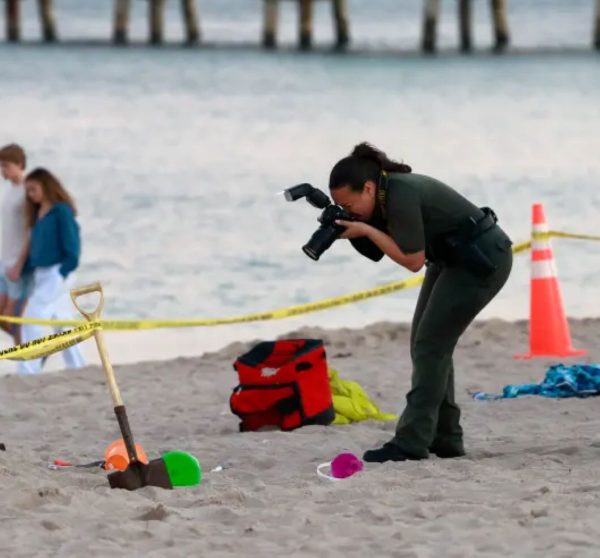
x,y
461,247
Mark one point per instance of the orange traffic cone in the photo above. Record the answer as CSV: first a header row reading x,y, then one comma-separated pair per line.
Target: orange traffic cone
x,y
549,334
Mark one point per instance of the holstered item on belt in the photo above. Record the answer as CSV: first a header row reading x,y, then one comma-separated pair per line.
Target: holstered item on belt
x,y
460,247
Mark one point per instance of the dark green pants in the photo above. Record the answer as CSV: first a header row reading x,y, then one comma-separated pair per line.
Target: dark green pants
x,y
449,300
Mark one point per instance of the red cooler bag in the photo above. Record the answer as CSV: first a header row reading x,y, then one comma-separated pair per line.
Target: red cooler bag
x,y
283,384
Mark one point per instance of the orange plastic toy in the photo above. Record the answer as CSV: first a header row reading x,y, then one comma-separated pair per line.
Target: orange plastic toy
x,y
116,458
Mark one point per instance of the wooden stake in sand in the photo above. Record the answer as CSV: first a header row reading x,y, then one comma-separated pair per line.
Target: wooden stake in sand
x,y
500,21
13,21
430,22
465,24
156,21
306,23
121,21
190,21
340,16
48,21
271,13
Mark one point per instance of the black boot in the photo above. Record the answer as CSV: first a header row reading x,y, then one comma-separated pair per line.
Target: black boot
x,y
447,450
389,452
2,447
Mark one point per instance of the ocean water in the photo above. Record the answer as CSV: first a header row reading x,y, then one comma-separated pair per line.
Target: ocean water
x,y
175,156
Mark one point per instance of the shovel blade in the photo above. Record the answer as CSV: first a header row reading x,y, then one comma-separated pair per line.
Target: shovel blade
x,y
138,474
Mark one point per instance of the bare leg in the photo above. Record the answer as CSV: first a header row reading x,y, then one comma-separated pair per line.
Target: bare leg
x,y
10,310
4,325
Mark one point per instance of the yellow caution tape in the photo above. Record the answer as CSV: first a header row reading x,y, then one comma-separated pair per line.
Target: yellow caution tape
x,y
50,344
521,247
257,317
281,313
559,234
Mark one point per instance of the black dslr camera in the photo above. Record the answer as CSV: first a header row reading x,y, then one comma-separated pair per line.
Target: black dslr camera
x,y
325,235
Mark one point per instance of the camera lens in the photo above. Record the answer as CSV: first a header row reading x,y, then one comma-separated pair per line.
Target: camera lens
x,y
310,252
320,241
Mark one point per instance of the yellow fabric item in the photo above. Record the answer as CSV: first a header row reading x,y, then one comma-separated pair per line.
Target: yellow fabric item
x,y
351,403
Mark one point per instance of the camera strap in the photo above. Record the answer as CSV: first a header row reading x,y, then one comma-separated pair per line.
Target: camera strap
x,y
382,191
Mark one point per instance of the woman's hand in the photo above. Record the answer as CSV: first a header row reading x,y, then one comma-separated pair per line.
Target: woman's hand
x,y
354,229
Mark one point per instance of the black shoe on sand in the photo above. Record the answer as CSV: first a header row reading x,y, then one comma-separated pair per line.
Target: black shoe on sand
x,y
447,451
2,447
389,452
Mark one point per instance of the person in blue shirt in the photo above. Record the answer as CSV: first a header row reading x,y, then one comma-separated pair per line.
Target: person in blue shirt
x,y
54,252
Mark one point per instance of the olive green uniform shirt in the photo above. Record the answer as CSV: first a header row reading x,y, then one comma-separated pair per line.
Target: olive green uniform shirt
x,y
418,208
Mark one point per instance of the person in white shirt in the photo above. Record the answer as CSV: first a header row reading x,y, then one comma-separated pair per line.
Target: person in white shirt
x,y
15,236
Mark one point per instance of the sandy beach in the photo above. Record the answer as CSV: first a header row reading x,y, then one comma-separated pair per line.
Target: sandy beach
x,y
529,486
176,158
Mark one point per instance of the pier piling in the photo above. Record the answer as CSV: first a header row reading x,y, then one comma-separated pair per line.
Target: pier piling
x,y
341,19
500,22
430,23
190,21
306,24
13,21
465,23
157,12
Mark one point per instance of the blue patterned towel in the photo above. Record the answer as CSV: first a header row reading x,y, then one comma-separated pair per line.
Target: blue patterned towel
x,y
580,380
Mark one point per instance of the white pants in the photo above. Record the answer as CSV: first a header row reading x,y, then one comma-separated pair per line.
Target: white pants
x,y
49,300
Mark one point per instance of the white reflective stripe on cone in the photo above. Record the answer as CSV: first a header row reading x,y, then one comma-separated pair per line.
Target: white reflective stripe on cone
x,y
541,244
541,228
543,269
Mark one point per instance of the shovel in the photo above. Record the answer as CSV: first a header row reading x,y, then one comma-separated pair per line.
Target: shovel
x,y
175,468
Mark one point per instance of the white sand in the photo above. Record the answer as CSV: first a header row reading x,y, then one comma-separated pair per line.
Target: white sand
x,y
530,485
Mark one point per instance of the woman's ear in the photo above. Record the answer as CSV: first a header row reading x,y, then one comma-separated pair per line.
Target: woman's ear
x,y
370,188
